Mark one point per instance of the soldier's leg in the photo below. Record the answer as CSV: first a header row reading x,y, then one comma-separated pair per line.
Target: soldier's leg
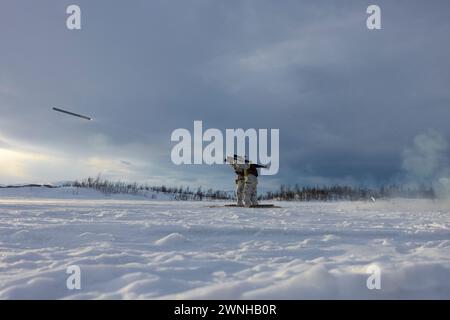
x,y
247,193
249,190
240,192
255,193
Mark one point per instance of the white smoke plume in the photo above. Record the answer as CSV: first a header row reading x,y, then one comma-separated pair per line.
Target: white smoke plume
x,y
426,163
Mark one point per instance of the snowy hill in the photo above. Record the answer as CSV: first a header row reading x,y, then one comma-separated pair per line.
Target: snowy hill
x,y
135,247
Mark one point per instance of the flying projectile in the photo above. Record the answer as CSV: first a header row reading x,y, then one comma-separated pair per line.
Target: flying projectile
x,y
72,113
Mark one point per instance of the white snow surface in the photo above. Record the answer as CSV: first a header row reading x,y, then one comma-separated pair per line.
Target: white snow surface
x,y
137,248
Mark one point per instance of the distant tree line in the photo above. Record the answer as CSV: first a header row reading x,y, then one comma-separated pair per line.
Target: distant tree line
x,y
31,185
179,193
182,193
335,193
284,193
106,186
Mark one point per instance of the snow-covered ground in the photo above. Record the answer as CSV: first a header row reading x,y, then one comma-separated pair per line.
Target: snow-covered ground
x,y
132,247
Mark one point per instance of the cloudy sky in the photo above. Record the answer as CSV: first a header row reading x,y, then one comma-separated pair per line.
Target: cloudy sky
x,y
348,101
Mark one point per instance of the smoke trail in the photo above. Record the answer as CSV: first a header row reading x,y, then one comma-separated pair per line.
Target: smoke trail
x,y
426,163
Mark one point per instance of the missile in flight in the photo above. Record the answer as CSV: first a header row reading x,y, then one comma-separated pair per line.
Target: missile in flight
x,y
72,113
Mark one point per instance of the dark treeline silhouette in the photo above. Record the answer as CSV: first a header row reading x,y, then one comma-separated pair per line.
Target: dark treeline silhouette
x,y
335,193
31,185
285,192
182,193
119,187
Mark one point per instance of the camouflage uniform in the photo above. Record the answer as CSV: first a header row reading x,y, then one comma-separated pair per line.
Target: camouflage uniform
x,y
250,193
251,183
239,169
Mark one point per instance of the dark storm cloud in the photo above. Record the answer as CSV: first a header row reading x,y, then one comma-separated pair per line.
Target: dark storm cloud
x,y
347,100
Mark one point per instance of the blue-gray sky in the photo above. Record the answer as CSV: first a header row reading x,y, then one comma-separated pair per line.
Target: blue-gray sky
x,y
347,100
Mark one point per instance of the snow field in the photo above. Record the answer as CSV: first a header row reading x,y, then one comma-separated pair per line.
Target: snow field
x,y
133,248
